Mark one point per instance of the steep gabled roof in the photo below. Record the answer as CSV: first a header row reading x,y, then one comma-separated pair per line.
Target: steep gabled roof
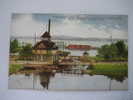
x,y
46,35
45,45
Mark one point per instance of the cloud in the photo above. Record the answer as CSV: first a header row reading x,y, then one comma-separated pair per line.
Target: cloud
x,y
27,25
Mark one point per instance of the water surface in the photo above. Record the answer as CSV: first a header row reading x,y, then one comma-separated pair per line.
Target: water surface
x,y
65,82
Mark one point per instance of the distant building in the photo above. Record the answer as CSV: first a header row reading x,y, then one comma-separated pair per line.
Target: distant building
x,y
46,47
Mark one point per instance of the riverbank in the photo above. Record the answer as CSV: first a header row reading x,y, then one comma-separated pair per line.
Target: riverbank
x,y
116,71
115,59
14,68
98,68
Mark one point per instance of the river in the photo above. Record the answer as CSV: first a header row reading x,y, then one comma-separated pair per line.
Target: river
x,y
65,82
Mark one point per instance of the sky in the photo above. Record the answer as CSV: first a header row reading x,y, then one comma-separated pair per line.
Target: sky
x,y
74,25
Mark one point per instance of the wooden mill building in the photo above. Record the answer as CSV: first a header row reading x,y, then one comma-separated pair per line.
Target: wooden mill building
x,y
46,49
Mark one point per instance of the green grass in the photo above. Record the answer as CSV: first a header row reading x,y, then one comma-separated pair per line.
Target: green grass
x,y
110,67
116,71
96,58
14,68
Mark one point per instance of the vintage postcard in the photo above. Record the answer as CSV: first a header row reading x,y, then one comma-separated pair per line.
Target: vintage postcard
x,y
68,52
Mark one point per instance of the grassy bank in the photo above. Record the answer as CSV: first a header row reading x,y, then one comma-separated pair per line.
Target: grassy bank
x,y
116,71
14,68
115,59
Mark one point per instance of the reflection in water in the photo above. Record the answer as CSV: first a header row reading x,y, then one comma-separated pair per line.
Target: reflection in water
x,y
62,81
120,77
45,78
26,74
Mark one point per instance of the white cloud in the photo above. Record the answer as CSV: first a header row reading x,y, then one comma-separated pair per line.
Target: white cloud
x,y
27,26
119,34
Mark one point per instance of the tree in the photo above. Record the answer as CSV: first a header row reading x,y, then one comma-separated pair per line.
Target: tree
x,y
26,50
14,46
114,50
104,51
122,49
85,53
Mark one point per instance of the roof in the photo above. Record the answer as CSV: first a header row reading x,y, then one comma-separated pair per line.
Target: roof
x,y
79,47
45,45
46,35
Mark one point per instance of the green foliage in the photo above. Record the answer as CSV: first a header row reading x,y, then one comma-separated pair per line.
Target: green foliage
x,y
96,58
85,53
104,51
116,71
122,49
26,50
114,50
111,67
14,46
14,68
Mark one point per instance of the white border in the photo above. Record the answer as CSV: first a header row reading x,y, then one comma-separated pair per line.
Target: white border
x,y
115,7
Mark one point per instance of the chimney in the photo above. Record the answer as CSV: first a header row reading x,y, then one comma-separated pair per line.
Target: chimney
x,y
49,26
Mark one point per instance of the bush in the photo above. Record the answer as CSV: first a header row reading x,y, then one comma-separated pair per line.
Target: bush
x,y
26,50
113,51
14,68
14,46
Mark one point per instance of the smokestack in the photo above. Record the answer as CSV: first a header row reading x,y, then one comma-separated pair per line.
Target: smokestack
x,y
49,25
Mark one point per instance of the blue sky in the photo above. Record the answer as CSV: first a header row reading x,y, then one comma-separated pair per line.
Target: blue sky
x,y
75,25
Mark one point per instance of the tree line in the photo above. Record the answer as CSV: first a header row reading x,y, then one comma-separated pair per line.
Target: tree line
x,y
117,50
23,50
114,51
